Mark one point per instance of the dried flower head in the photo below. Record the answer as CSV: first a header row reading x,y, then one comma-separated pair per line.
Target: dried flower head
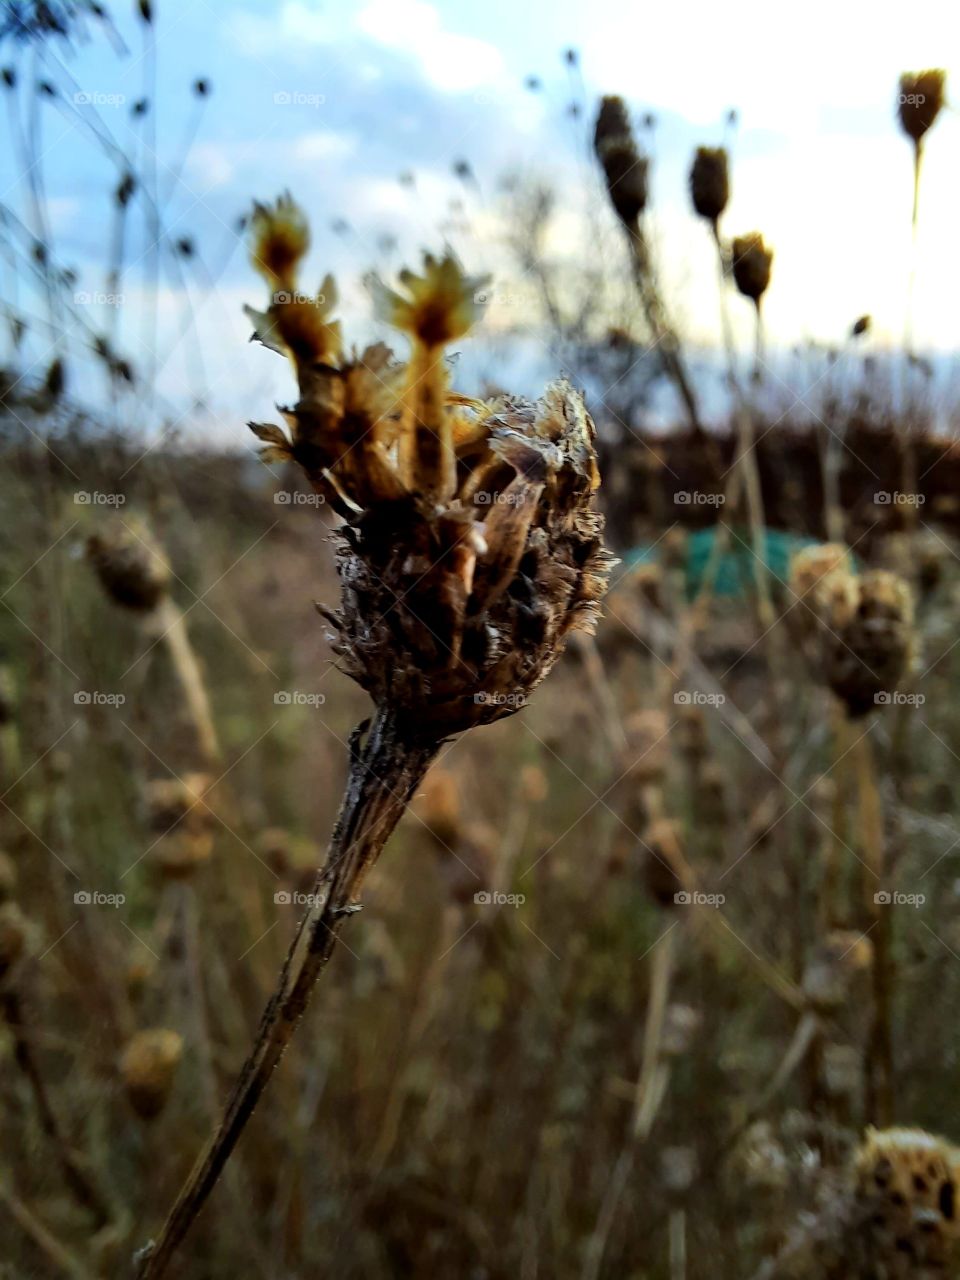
x,y
752,261
710,182
471,546
868,639
625,169
280,237
177,803
148,1066
132,569
906,1189
438,807
920,100
180,853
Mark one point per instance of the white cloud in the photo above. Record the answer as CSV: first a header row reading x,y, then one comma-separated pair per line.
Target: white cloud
x,y
449,61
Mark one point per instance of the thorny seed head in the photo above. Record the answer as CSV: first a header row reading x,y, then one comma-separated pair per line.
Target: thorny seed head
x,y
471,546
921,97
710,182
147,1067
752,261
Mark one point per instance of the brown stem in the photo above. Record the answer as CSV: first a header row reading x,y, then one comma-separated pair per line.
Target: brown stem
x,y
666,341
879,1058
174,633
384,772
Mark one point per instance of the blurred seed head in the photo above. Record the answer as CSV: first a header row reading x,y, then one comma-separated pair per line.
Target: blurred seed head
x,y
438,807
752,263
710,182
148,1066
921,98
131,567
624,167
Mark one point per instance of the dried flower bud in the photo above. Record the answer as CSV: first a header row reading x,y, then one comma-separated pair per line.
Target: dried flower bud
x,y
147,1067
710,182
752,261
131,567
921,97
179,853
646,754
280,238
438,807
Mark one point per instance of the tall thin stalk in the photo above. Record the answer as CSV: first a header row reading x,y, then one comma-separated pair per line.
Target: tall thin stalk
x,y
384,772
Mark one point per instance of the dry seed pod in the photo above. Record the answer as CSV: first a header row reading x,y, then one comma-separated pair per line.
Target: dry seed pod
x,y
644,758
471,546
172,802
131,567
179,853
666,873
624,167
710,182
810,572
147,1067
906,1190
921,98
438,807
868,650
752,261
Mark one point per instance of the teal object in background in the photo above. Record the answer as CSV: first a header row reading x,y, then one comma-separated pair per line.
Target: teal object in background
x,y
735,571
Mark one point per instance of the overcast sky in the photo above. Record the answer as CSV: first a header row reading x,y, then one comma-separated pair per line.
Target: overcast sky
x,y
335,101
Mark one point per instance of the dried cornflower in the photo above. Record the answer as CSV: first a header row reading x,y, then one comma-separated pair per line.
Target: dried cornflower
x,y
868,638
470,550
147,1067
624,167
752,261
907,1192
710,183
920,100
173,803
132,569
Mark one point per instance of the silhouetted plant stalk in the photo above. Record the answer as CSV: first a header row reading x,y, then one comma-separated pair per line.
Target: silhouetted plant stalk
x,y
625,170
470,550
